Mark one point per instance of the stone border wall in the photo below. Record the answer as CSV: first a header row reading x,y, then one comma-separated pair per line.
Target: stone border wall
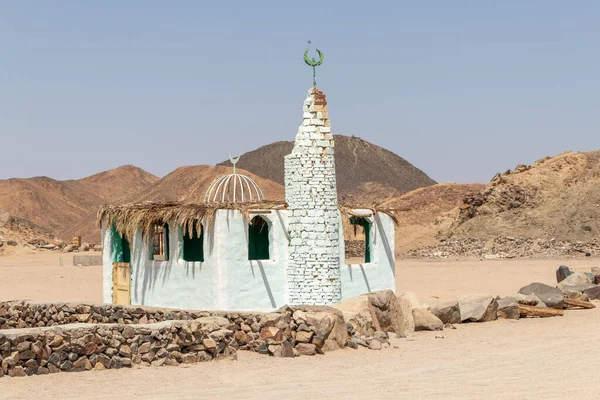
x,y
50,338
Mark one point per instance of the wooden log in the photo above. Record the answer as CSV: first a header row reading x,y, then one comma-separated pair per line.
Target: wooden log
x,y
578,303
542,312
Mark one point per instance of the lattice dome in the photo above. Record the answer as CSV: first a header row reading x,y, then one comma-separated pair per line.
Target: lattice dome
x,y
233,188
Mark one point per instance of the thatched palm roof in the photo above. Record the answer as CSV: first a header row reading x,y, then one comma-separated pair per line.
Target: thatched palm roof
x,y
128,218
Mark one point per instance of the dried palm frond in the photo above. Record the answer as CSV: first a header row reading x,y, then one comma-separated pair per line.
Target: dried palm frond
x,y
127,219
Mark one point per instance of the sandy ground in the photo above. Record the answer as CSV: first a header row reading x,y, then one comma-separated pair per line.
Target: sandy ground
x,y
527,359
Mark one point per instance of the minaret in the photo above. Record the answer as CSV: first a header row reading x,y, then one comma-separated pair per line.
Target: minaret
x,y
311,193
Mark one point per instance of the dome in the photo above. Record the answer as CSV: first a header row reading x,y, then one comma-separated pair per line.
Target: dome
x,y
233,188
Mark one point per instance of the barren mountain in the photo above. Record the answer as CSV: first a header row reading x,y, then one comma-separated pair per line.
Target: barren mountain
x,y
16,231
189,184
356,161
556,197
419,211
62,206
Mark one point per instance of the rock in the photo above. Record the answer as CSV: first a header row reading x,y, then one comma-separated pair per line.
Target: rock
x,y
262,349
576,278
552,297
104,360
128,332
376,344
478,308
275,350
351,344
593,292
271,332
56,341
528,300
576,296
304,337
306,349
411,298
377,310
508,308
53,369
125,351
328,323
426,321
84,363
449,326
358,341
209,344
144,348
447,311
42,371
116,362
68,248
287,349
562,273
17,371
66,366
26,355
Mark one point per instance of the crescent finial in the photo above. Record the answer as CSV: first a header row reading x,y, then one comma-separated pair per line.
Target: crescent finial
x,y
313,62
234,161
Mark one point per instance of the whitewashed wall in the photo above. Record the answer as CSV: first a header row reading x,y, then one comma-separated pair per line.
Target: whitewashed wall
x,y
226,280
379,274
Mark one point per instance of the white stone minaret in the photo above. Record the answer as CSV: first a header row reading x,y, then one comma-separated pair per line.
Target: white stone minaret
x,y
311,193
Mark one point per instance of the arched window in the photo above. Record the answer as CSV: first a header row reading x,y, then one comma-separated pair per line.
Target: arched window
x,y
258,239
358,242
119,247
193,246
159,244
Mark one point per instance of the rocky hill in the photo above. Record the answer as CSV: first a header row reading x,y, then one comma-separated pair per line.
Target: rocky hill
x,y
556,197
419,211
16,231
189,184
357,162
551,207
63,207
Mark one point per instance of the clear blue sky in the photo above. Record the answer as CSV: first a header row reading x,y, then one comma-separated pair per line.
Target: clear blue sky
x,y
461,89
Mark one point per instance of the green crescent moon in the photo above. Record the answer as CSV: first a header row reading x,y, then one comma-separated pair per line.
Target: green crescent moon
x,y
313,62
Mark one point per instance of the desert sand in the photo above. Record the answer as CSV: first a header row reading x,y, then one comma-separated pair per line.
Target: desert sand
x,y
550,358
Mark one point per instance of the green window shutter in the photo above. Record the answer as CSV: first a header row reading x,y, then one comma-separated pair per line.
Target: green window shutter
x,y
258,239
116,245
367,228
193,247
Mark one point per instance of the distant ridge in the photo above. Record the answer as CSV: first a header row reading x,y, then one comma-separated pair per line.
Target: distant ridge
x,y
68,208
358,162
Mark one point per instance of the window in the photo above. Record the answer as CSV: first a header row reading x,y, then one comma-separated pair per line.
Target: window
x,y
159,245
358,241
119,247
258,239
193,246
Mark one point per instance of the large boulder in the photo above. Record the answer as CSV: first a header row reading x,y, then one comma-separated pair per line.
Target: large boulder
x,y
562,272
377,311
552,297
576,278
478,308
328,324
529,300
447,311
426,321
508,308
592,292
577,292
387,311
